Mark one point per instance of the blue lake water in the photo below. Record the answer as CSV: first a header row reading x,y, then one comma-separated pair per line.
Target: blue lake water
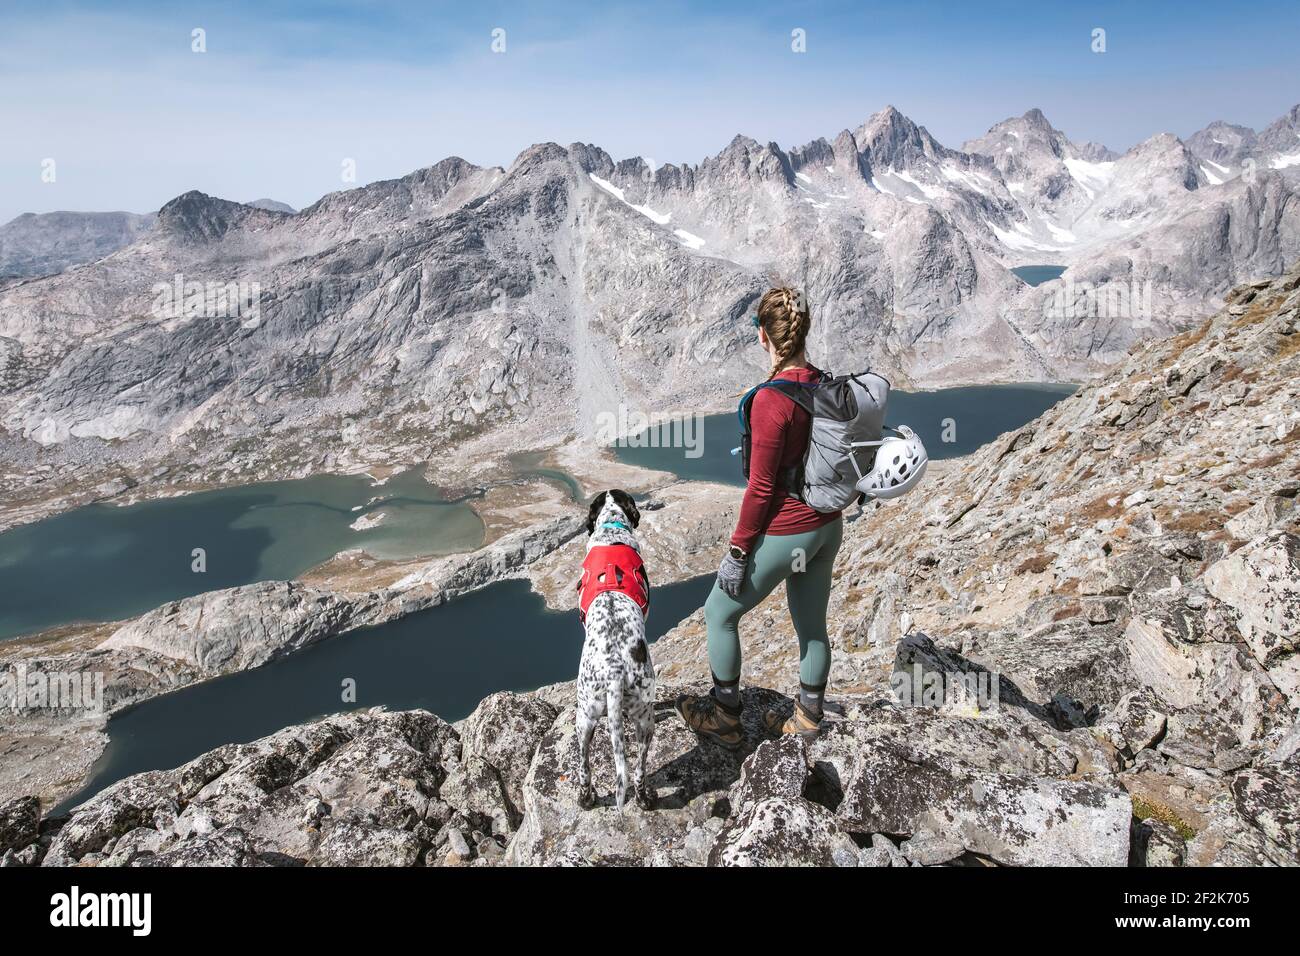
x,y
971,416
104,562
1037,275
445,660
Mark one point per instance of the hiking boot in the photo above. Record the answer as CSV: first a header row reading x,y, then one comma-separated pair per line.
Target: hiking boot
x,y
801,722
711,720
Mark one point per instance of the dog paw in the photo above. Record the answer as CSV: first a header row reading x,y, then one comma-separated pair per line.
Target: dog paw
x,y
586,798
645,798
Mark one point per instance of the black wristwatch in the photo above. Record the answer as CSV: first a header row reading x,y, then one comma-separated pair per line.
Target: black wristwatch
x,y
737,553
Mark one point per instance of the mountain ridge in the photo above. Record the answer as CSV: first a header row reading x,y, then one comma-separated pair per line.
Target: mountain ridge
x,y
433,306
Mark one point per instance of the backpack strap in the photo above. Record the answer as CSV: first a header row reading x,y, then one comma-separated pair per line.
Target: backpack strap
x,y
798,392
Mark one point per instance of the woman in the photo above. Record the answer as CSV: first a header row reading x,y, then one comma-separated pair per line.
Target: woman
x,y
777,538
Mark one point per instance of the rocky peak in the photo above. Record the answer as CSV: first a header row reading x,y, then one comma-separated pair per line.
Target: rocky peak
x,y
1095,152
593,159
1023,138
1283,134
1023,146
379,206
849,160
1163,160
1034,117
889,140
1223,143
198,217
634,168
439,178
536,157
745,159
818,152
272,205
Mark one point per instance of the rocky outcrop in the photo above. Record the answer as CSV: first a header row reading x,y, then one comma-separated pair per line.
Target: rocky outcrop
x,y
1010,819
506,557
503,733
221,632
401,789
690,782
1260,586
778,831
354,789
20,822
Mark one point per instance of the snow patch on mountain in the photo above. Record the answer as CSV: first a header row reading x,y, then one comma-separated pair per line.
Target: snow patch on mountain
x,y
1093,177
658,217
1022,239
689,240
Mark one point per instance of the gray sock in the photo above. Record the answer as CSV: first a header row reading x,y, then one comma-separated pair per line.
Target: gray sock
x,y
727,694
810,698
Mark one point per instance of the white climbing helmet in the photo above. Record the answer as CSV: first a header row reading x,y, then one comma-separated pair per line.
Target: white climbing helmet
x,y
900,465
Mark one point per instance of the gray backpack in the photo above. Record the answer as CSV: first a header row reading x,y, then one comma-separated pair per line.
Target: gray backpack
x,y
847,411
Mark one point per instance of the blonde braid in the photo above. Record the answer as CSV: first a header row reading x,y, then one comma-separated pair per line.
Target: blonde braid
x,y
784,316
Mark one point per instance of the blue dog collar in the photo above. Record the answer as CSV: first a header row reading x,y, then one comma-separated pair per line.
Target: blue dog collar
x,y
614,524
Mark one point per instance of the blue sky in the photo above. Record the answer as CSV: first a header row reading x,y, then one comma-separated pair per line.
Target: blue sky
x,y
286,91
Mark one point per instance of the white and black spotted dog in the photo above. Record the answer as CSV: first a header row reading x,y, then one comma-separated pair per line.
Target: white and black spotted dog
x,y
616,677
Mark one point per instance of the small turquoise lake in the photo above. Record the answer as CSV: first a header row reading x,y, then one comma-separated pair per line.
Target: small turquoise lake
x,y
1037,275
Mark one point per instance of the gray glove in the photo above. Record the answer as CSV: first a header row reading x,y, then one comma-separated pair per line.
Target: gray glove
x,y
731,574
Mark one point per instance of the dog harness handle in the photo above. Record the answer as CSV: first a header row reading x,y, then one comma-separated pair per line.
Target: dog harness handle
x,y
613,567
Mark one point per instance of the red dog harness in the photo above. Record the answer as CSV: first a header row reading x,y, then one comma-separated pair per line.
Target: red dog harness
x,y
613,567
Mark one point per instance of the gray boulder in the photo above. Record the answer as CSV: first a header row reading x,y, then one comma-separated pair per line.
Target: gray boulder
x,y
931,849
777,768
783,831
1268,796
474,787
357,844
504,731
1261,585
1012,819
1136,723
1157,844
20,821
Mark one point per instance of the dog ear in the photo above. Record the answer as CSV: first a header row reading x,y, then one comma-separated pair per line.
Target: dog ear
x,y
628,504
593,512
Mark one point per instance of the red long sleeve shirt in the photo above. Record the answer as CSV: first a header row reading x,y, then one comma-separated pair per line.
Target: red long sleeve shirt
x,y
779,437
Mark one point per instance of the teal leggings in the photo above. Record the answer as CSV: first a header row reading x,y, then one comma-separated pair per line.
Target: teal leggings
x,y
804,562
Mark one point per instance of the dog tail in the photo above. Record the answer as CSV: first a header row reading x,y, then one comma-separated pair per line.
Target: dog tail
x,y
614,709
